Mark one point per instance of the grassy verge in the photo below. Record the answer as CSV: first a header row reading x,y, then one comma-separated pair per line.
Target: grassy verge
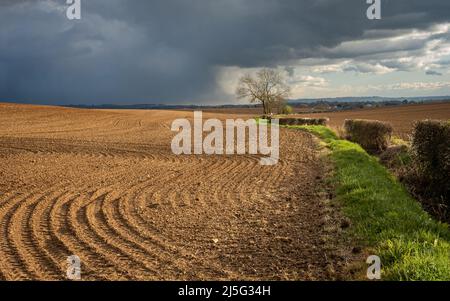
x,y
386,220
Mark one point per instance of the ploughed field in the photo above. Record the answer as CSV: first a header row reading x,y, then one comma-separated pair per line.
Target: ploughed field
x,y
401,117
105,186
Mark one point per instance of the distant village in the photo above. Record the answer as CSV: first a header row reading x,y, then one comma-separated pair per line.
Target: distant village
x,y
333,106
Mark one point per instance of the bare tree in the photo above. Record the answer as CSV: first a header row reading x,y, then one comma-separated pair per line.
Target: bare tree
x,y
268,87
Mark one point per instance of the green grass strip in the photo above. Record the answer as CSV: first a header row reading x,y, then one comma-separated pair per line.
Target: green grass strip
x,y
386,219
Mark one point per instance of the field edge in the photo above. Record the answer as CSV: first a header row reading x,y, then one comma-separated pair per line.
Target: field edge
x,y
410,244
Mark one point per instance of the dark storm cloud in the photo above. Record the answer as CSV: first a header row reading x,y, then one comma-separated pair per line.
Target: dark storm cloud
x,y
432,72
168,51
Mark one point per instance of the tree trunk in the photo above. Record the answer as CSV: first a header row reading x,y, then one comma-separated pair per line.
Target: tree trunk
x,y
267,108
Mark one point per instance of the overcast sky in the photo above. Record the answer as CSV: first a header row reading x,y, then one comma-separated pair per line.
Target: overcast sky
x,y
194,51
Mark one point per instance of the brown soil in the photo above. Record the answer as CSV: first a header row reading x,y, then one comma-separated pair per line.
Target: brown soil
x,y
401,117
104,185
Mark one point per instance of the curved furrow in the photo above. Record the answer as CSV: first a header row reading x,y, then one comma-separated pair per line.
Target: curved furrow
x,y
220,166
137,262
223,193
53,244
170,246
166,187
116,122
150,251
165,246
36,261
116,265
231,176
97,221
216,180
153,241
169,195
10,264
271,176
94,267
7,198
129,197
46,239
232,192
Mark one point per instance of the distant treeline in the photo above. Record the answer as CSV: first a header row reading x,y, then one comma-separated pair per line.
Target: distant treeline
x,y
328,105
160,106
